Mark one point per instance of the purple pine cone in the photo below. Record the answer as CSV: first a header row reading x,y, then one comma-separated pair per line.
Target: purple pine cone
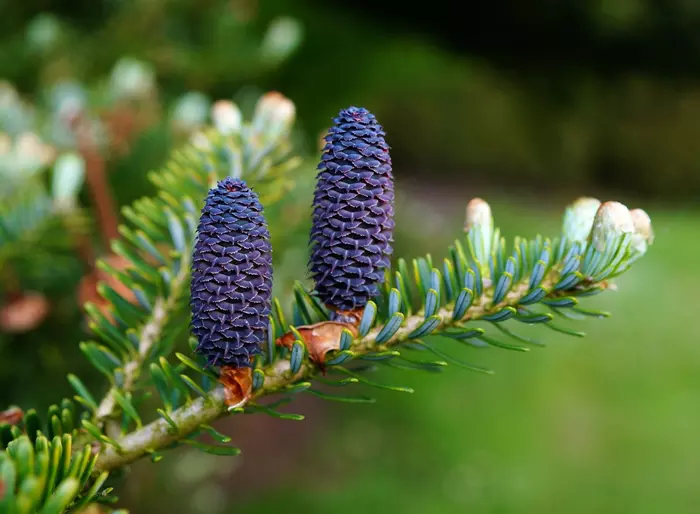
x,y
353,212
231,276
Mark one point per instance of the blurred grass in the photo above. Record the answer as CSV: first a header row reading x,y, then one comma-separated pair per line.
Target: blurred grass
x,y
607,423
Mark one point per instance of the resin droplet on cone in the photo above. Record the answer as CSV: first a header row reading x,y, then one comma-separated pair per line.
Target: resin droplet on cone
x,y
353,212
231,276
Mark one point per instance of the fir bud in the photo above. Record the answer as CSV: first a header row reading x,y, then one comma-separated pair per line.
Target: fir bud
x,y
274,114
68,178
612,220
353,212
578,218
479,226
231,276
227,117
643,236
478,214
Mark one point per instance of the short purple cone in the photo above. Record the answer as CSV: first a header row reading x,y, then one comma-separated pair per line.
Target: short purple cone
x,y
231,276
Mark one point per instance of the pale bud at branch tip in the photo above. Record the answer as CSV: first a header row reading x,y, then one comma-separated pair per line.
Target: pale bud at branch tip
x,y
478,213
643,232
613,220
479,227
578,218
227,117
274,114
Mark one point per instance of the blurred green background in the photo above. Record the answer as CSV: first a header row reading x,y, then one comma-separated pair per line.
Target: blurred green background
x,y
528,107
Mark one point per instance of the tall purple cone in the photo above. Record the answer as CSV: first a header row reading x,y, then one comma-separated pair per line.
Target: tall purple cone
x,y
353,212
231,276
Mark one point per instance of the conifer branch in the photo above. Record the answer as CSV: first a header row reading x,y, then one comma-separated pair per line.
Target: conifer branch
x,y
150,334
159,434
360,308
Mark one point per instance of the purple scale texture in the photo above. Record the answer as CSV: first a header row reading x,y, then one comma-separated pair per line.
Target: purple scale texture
x,y
353,212
231,284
